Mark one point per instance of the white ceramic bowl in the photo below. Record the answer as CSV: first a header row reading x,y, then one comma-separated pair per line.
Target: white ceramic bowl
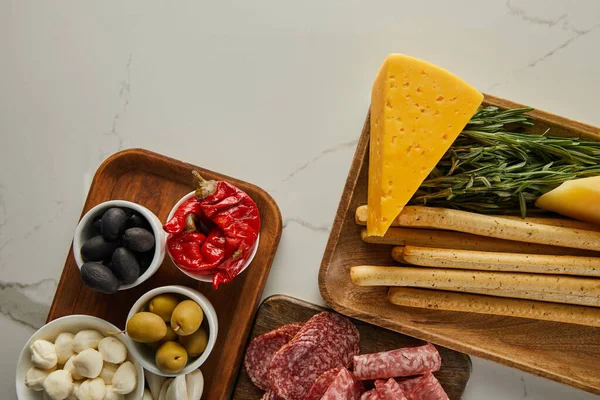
x,y
84,231
199,276
145,355
73,324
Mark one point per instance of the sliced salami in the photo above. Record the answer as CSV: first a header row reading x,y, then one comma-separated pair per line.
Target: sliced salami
x,y
408,385
326,341
261,350
429,389
389,390
370,395
401,362
295,367
338,336
269,395
321,385
343,387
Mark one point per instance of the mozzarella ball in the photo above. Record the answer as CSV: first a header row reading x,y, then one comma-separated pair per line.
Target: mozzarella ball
x,y
86,339
43,354
64,347
58,385
112,350
88,363
112,395
71,368
35,378
125,379
73,395
108,371
92,389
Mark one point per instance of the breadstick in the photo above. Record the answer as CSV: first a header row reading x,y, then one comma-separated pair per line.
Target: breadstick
x,y
465,241
554,288
361,219
495,261
496,227
452,301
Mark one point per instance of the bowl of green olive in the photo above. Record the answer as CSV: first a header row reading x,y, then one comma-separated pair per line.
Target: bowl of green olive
x,y
173,330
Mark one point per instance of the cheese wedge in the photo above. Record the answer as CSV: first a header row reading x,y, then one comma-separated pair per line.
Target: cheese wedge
x,y
578,198
417,111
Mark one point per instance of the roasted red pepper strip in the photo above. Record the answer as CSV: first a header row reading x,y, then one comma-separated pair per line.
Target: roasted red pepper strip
x,y
195,252
185,248
236,223
177,223
234,212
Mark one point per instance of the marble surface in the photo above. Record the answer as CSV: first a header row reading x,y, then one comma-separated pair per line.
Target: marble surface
x,y
273,92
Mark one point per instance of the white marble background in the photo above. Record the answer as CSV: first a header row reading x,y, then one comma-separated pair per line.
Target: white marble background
x,y
270,91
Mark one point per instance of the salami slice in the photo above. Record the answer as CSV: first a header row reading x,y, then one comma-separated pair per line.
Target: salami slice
x,y
401,362
326,341
339,337
269,395
290,329
321,385
389,390
295,367
370,395
408,385
429,389
343,387
261,350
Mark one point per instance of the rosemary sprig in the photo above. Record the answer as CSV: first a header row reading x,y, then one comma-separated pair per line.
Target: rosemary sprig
x,y
494,167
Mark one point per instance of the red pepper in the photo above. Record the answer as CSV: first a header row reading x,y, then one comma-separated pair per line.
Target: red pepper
x,y
177,223
235,222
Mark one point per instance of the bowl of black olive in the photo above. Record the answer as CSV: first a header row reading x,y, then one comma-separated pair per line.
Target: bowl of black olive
x,y
118,245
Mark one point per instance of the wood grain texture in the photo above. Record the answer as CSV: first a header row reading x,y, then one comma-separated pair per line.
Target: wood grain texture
x,y
562,352
280,310
158,182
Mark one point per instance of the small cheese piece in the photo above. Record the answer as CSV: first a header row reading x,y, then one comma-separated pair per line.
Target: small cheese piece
x,y
578,198
417,111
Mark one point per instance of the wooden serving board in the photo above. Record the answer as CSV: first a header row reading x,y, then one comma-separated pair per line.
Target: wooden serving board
x,y
279,310
158,182
565,353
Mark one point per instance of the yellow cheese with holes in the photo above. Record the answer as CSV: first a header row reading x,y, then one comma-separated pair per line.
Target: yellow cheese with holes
x,y
417,111
579,198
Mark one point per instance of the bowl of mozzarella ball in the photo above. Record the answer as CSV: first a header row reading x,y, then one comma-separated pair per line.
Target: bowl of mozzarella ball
x,y
78,357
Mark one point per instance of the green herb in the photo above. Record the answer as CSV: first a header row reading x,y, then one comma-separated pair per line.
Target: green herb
x,y
494,167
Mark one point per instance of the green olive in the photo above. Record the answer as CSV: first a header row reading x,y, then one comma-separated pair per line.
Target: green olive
x,y
196,343
171,357
163,306
186,318
146,327
171,336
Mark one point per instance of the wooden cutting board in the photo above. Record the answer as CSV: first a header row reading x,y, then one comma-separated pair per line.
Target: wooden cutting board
x,y
158,182
279,310
565,353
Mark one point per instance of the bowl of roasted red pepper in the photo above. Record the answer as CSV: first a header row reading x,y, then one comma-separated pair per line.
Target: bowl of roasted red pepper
x,y
213,232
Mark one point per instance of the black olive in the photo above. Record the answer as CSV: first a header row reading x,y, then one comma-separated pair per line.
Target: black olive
x,y
97,224
114,222
138,239
135,220
97,249
125,266
145,259
99,278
